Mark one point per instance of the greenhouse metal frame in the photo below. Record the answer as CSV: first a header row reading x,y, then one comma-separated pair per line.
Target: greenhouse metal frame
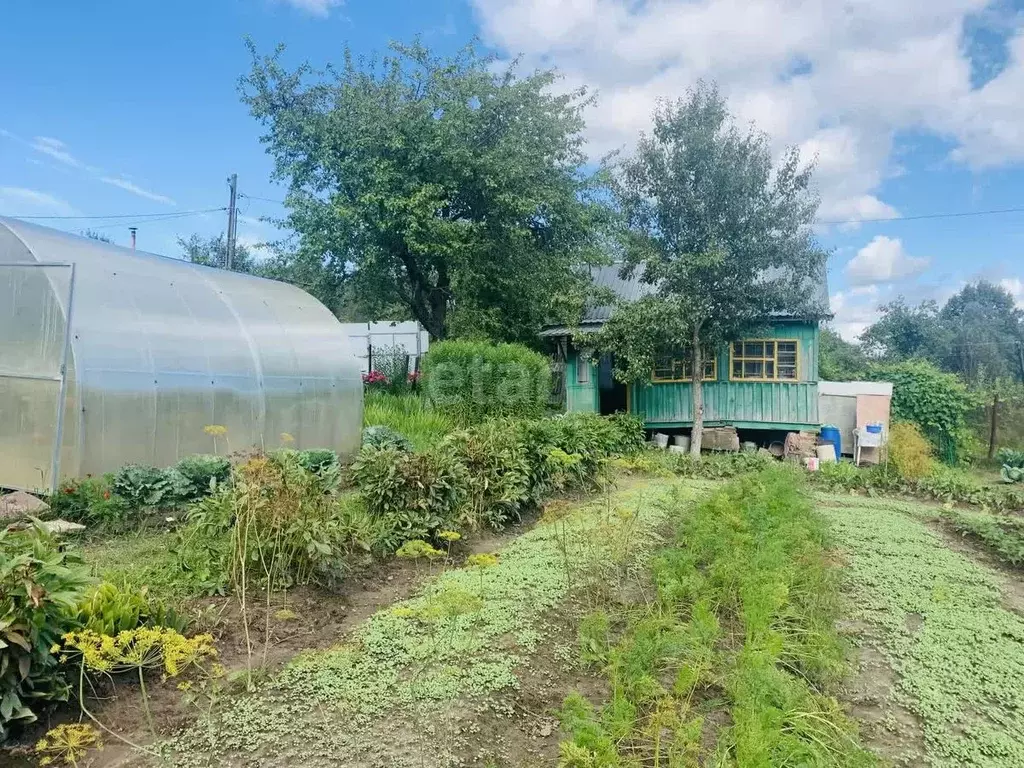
x,y
110,356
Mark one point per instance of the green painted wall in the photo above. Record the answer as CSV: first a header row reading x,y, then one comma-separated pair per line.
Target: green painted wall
x,y
580,397
750,404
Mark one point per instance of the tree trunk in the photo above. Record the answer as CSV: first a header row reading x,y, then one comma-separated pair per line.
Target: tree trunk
x,y
697,433
992,427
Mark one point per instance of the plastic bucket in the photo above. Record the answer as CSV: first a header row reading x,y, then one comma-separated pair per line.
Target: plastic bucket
x,y
826,452
875,429
682,441
661,440
830,434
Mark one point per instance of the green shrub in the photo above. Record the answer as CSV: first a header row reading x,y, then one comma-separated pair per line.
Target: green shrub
x,y
90,501
472,381
908,452
414,495
1010,474
40,587
499,478
1003,535
144,486
391,362
108,610
379,436
1012,465
409,415
936,402
1010,457
204,473
318,460
840,475
276,524
719,466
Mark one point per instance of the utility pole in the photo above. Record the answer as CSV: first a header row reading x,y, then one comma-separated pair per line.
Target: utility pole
x,y
132,231
232,221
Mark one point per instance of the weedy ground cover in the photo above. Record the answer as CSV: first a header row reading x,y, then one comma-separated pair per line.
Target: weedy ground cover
x,y
939,620
406,687
733,659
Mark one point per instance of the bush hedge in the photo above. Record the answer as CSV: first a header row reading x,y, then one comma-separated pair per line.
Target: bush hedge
x,y
937,402
474,380
487,474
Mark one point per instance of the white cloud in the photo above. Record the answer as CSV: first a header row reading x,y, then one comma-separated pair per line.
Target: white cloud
x,y
853,312
20,201
59,151
1016,288
864,72
128,186
883,260
314,7
56,149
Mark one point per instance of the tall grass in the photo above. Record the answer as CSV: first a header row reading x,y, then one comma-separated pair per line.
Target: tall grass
x,y
409,414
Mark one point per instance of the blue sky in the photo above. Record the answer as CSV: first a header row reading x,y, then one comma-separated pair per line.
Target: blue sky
x,y
910,108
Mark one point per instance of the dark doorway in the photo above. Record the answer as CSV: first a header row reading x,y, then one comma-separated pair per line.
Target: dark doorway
x,y
612,396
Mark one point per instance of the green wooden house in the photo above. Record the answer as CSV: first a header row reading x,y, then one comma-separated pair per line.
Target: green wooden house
x,y
765,383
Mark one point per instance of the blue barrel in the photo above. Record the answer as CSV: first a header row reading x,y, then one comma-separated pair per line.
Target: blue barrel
x,y
830,434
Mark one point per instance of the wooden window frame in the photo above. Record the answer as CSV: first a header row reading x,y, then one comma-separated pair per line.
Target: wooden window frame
x,y
773,359
710,356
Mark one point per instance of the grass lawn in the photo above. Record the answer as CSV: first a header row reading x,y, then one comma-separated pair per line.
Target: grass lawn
x,y
942,622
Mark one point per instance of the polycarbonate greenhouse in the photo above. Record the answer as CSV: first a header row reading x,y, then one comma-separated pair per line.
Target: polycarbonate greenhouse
x,y
110,356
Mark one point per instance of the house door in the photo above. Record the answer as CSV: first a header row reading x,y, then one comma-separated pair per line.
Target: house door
x,y
35,303
612,397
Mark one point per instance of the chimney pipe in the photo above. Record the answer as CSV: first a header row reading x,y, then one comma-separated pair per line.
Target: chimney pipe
x,y
133,230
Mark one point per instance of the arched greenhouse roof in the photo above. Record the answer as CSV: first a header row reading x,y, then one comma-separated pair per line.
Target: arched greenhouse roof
x,y
111,356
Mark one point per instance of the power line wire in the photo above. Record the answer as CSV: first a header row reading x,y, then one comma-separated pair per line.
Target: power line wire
x,y
139,216
154,220
264,199
955,215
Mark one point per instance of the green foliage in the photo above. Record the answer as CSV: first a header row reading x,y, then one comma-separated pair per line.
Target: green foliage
x,y
718,466
393,362
747,566
711,278
451,186
903,332
414,495
959,668
40,587
409,415
143,486
213,252
204,473
981,327
908,451
461,641
839,360
319,461
1002,535
108,610
474,380
379,436
1010,457
1012,465
90,501
937,402
949,485
1010,474
277,524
